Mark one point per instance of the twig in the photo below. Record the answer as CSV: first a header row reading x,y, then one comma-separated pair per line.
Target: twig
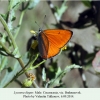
x,y
8,31
15,46
5,48
36,66
31,61
20,22
16,76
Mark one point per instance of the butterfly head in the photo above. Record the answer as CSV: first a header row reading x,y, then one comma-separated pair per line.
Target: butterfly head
x,y
40,30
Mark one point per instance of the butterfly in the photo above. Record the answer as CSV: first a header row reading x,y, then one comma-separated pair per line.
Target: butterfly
x,y
51,41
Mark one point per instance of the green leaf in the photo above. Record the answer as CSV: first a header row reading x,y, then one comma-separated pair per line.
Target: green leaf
x,y
11,16
32,4
4,16
15,29
16,53
43,75
25,58
87,3
68,68
14,4
3,39
61,10
59,75
56,81
3,62
8,40
9,75
98,35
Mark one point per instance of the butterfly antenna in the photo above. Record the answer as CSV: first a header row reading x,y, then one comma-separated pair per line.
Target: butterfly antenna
x,y
38,26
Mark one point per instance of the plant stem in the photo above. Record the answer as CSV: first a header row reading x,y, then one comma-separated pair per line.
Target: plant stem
x,y
14,45
5,48
30,68
20,22
39,64
3,63
8,31
26,73
22,65
30,62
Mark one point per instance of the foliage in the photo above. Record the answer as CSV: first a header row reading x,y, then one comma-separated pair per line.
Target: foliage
x,y
81,50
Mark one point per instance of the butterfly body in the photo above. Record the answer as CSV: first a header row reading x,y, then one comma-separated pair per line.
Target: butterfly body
x,y
51,41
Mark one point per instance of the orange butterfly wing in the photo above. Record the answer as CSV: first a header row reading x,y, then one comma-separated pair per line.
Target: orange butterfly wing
x,y
52,41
